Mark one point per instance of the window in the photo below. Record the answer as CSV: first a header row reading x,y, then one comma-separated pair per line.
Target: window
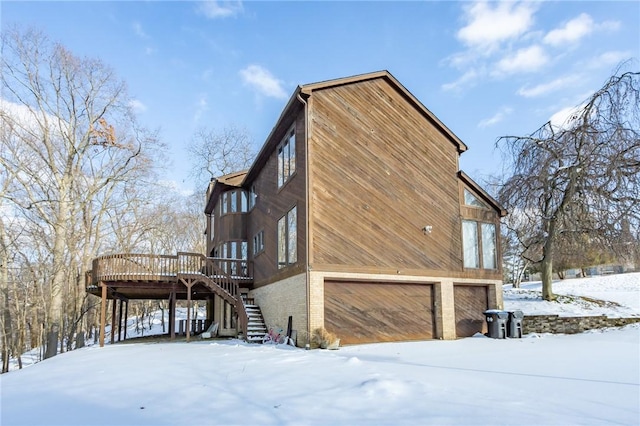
x,y
252,197
244,201
236,250
244,248
470,244
472,200
488,245
258,243
234,201
287,239
479,245
286,158
223,204
212,226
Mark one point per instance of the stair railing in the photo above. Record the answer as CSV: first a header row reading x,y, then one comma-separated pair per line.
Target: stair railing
x,y
216,269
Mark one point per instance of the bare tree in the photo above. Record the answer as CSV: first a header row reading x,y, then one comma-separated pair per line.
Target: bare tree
x,y
214,153
72,142
581,179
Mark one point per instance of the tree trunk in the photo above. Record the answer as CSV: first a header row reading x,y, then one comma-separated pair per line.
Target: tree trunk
x,y
547,278
51,349
521,272
6,335
59,269
5,360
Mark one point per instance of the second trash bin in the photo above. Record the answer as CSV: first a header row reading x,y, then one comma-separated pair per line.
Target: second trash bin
x,y
514,326
497,323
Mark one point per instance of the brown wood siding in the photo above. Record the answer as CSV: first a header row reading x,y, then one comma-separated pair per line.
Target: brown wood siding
x,y
359,312
470,303
380,173
273,203
231,227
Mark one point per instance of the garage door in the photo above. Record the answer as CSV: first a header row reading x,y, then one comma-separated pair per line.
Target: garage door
x,y
378,312
470,303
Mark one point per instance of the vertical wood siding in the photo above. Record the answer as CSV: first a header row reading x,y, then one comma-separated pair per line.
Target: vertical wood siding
x,y
380,172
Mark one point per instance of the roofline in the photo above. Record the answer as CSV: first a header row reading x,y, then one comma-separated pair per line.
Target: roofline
x,y
216,186
484,194
309,88
292,100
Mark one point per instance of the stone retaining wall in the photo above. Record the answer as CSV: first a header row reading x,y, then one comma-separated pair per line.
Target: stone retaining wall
x,y
570,325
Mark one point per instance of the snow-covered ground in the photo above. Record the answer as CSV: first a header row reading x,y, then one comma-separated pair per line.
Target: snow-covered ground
x,y
610,295
588,378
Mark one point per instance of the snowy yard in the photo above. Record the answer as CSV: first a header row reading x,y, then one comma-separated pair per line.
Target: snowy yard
x,y
615,296
588,378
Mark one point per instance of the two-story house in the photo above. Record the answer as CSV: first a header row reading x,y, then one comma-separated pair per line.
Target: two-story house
x,y
355,217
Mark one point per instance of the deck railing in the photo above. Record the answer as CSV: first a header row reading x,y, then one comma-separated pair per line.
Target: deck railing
x,y
134,267
154,267
226,273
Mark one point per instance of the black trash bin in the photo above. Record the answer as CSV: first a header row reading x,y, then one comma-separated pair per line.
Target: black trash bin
x,y
514,325
497,323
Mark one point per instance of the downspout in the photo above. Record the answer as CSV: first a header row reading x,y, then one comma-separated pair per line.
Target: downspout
x,y
306,214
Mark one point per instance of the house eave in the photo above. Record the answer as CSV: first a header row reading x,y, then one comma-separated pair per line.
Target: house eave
x,y
482,193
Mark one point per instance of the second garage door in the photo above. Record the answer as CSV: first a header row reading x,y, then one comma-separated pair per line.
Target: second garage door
x,y
470,303
367,312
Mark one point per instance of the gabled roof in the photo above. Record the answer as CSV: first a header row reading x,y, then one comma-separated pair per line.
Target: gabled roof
x,y
216,186
306,90
482,193
232,179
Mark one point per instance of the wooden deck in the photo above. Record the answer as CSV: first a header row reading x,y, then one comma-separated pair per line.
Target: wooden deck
x,y
150,276
185,276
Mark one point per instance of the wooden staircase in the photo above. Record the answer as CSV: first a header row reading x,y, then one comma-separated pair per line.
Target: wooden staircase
x,y
251,321
256,327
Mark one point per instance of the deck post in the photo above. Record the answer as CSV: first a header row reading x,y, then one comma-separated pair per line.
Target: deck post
x,y
172,315
103,313
120,321
188,283
113,320
126,315
188,311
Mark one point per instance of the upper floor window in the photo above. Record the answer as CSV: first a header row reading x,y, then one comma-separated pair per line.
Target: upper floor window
x,y
244,201
258,243
479,245
237,252
287,239
235,201
252,197
211,227
223,203
472,200
286,157
233,195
